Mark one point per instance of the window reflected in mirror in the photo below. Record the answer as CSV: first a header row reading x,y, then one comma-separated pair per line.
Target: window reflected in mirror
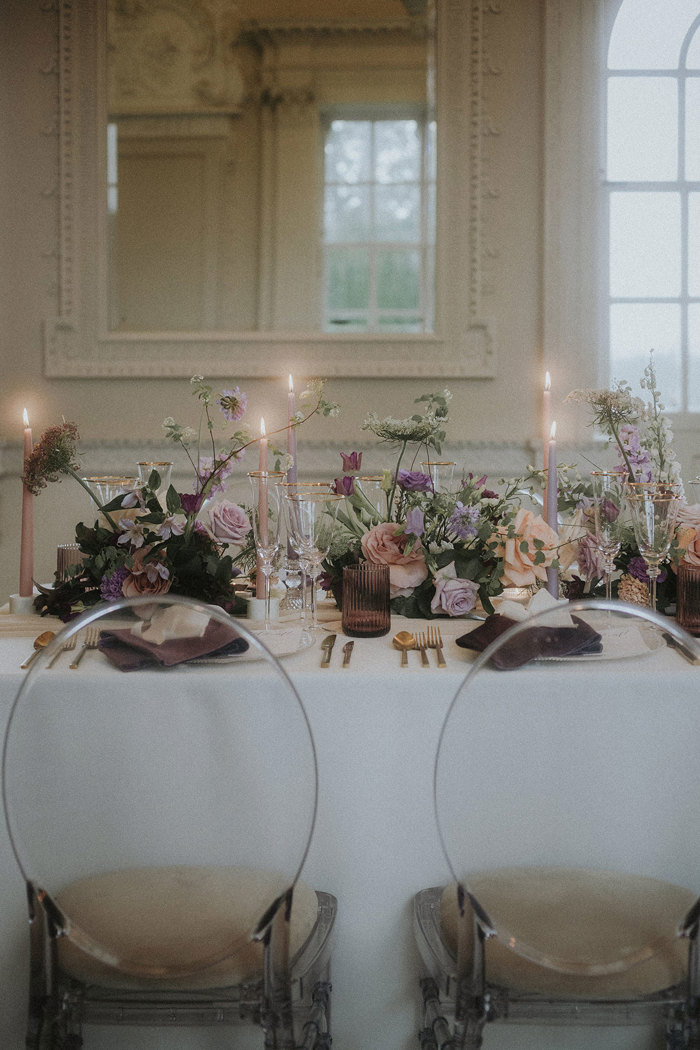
x,y
272,167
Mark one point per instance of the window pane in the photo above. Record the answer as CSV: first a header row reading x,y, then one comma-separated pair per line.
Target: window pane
x,y
694,244
397,145
694,357
348,147
692,129
397,280
431,148
637,328
397,213
642,128
648,33
645,244
347,213
692,59
347,279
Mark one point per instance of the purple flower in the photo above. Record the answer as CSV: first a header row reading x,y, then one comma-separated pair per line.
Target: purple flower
x,y
453,595
590,559
609,510
414,481
344,486
463,521
639,457
191,501
415,522
214,468
351,461
111,585
489,494
233,404
637,567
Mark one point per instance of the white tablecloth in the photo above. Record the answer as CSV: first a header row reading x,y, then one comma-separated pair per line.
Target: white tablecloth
x,y
376,730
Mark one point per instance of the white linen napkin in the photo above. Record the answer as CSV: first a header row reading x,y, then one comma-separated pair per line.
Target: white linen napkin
x,y
540,601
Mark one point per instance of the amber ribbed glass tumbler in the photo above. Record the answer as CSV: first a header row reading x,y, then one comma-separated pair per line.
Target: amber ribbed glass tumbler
x,y
366,610
688,597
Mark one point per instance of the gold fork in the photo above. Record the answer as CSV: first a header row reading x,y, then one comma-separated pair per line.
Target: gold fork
x,y
435,642
66,647
422,645
92,637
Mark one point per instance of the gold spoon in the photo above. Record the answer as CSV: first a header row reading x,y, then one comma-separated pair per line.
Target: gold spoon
x,y
404,641
40,642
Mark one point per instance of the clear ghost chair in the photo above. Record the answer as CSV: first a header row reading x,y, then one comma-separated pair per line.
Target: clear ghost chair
x,y
160,819
568,809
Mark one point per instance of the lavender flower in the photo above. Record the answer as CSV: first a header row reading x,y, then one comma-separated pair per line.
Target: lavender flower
x,y
233,404
639,457
191,502
213,473
415,522
111,584
414,481
463,521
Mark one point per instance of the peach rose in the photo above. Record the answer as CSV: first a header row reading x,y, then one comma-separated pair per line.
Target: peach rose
x,y
153,577
406,571
520,569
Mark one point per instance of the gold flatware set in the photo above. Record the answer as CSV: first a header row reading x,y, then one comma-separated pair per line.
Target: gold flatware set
x,y
89,641
431,638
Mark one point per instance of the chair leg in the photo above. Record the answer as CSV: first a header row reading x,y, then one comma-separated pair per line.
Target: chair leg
x,y
435,1033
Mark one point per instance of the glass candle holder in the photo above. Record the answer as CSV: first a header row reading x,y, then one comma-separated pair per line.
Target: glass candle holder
x,y
366,609
688,597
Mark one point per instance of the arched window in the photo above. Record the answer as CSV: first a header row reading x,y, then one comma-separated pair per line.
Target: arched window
x,y
652,195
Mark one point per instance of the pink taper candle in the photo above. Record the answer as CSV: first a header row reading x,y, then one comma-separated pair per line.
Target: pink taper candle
x,y
546,418
26,556
291,432
262,508
552,496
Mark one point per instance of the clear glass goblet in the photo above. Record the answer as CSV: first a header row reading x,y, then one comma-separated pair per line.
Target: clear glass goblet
x,y
265,518
295,571
605,524
654,508
310,522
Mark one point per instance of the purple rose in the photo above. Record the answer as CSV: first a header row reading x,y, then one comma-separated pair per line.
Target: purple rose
x,y
351,461
344,486
415,522
590,559
453,595
228,522
191,502
414,481
638,568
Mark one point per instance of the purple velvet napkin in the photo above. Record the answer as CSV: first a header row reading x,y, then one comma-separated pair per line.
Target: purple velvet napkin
x,y
129,652
533,643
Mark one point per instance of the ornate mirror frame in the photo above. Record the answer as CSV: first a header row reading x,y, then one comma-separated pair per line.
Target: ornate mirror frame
x,y
78,341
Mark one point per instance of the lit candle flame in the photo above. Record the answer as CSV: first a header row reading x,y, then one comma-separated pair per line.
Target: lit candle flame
x,y
291,385
25,417
553,432
263,432
547,381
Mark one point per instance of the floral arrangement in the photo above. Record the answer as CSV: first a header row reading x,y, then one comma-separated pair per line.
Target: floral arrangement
x,y
642,439
145,544
446,551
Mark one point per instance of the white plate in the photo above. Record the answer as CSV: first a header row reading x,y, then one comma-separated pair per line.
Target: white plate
x,y
621,641
281,641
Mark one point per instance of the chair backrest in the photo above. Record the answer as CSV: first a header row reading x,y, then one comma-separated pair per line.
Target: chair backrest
x,y
164,767
582,762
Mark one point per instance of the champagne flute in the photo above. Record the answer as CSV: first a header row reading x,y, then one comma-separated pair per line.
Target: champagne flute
x,y
311,521
265,516
608,497
294,570
654,507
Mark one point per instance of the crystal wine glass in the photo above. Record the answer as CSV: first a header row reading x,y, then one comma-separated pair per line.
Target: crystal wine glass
x,y
606,521
294,571
265,515
311,521
654,507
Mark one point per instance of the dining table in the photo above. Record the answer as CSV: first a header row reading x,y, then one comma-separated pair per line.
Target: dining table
x,y
376,727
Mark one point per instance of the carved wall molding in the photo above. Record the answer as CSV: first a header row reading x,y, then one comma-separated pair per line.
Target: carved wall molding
x,y
77,340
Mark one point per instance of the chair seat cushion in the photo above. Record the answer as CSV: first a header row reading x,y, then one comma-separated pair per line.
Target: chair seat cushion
x,y
174,921
589,918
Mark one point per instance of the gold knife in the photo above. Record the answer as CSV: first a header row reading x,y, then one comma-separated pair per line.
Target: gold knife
x,y
680,647
327,646
347,653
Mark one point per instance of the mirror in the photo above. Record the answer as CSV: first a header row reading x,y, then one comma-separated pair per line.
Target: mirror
x,y
291,274
272,168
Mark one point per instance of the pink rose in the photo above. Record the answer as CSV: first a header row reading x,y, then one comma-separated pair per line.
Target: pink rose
x,y
146,577
520,569
228,522
452,594
406,571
